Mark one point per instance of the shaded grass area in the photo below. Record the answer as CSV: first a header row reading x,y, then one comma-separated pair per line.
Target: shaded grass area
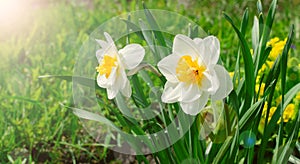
x,y
33,122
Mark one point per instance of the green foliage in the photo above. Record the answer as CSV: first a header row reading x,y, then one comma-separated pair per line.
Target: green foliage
x,y
35,125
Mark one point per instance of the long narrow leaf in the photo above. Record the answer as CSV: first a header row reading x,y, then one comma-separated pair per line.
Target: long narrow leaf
x,y
134,28
288,147
255,33
154,26
265,36
273,122
254,109
249,70
283,65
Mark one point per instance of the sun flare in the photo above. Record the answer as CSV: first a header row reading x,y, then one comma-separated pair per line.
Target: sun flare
x,y
11,12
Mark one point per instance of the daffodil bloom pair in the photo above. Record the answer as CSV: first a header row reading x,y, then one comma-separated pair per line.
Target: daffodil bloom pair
x,y
112,65
192,73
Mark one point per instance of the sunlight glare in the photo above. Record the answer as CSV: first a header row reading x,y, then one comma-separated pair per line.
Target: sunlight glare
x,y
11,12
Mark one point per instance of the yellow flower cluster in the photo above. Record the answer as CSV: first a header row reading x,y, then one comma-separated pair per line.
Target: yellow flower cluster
x,y
264,113
277,47
291,109
288,113
260,89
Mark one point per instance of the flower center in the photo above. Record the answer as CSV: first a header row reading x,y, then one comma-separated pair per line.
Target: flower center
x,y
106,65
189,71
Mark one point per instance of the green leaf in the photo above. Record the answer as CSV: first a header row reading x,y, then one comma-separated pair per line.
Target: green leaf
x,y
122,106
244,22
283,65
193,31
259,7
249,70
234,147
94,117
255,33
148,36
294,159
247,117
261,25
265,36
134,28
222,151
141,67
243,28
284,60
153,24
234,101
273,122
129,138
139,93
270,19
288,147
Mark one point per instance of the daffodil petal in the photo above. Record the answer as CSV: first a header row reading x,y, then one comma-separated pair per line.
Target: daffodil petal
x,y
102,43
210,82
203,59
198,41
132,55
194,107
212,50
167,67
108,38
112,77
226,86
102,81
99,55
190,93
110,48
111,92
184,45
117,83
126,91
172,92
121,78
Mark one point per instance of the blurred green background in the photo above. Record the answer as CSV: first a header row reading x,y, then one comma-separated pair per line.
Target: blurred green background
x,y
43,37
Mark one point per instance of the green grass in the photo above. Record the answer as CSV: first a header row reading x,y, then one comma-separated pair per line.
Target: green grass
x,y
33,123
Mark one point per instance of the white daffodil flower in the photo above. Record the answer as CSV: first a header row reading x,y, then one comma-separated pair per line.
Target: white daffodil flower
x,y
112,65
193,75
